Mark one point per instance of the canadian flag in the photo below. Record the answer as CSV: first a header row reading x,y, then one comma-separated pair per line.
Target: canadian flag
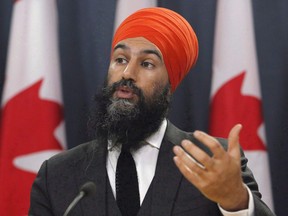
x,y
126,7
235,93
32,127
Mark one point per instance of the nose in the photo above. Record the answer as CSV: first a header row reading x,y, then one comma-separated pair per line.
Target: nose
x,y
130,71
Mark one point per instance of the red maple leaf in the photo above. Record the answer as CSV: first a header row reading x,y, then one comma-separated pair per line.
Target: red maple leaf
x,y
27,125
230,107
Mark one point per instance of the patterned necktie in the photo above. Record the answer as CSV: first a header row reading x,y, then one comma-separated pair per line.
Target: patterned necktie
x,y
127,190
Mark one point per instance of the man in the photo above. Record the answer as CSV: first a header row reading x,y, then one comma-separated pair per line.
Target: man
x,y
140,162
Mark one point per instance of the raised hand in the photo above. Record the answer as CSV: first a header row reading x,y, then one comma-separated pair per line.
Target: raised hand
x,y
217,177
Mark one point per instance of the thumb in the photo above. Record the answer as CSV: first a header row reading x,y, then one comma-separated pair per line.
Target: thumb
x,y
233,141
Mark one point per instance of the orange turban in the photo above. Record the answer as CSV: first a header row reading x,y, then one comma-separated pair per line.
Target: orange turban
x,y
170,32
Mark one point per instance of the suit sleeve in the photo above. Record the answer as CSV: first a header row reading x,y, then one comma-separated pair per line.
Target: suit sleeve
x,y
261,208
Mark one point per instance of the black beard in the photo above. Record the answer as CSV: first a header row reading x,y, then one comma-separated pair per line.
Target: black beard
x,y
127,122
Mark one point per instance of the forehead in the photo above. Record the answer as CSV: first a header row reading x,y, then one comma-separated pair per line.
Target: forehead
x,y
137,44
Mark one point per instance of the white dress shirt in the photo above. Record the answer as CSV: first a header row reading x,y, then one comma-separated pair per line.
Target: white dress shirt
x,y
145,160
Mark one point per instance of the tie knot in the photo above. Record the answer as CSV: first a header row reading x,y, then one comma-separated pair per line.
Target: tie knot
x,y
124,150
125,147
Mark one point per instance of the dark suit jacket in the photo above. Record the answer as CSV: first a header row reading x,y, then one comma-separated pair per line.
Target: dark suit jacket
x,y
60,178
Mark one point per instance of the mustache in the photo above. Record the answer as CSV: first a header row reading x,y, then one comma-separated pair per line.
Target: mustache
x,y
127,83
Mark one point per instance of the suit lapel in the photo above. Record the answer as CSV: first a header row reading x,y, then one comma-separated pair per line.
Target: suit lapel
x,y
92,167
167,178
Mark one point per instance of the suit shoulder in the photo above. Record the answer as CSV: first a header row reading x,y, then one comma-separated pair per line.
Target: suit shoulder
x,y
175,135
74,154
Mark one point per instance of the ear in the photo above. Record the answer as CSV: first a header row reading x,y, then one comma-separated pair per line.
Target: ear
x,y
170,93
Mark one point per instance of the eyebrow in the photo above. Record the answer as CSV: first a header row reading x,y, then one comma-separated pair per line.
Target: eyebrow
x,y
155,52
147,51
120,46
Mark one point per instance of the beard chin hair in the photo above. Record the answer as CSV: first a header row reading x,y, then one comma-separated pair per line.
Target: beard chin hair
x,y
127,122
122,109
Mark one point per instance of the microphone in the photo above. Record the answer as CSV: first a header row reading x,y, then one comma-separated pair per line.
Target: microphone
x,y
88,189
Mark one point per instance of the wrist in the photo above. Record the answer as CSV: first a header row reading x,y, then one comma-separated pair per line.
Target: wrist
x,y
238,201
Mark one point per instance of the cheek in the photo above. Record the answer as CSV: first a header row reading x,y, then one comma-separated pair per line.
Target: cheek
x,y
112,75
154,88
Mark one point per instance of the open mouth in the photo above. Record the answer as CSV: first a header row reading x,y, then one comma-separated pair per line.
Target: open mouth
x,y
124,92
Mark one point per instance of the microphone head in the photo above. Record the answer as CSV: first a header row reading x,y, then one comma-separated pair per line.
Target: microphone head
x,y
89,188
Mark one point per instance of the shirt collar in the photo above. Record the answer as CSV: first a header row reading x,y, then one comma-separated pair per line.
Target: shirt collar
x,y
154,140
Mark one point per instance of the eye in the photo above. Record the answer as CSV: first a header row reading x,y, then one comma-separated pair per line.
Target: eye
x,y
148,65
121,60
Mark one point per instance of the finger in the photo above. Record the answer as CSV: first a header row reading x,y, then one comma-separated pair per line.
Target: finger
x,y
212,143
202,158
233,141
188,161
187,173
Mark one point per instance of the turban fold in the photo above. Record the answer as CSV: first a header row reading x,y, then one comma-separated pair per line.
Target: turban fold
x,y
170,32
